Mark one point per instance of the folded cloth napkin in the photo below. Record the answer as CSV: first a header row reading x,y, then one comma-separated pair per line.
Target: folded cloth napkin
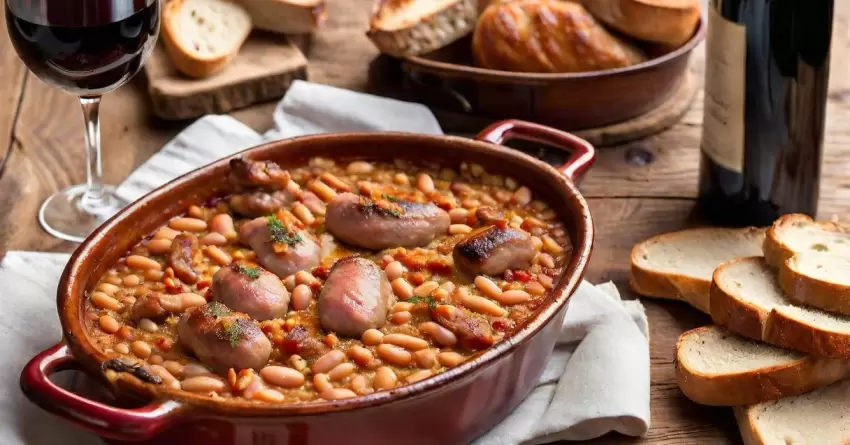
x,y
596,382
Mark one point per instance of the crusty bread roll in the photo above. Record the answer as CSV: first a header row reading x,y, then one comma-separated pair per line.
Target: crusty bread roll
x,y
286,16
403,28
671,22
547,36
202,36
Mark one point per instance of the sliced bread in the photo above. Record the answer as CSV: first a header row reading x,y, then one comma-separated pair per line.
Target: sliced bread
x,y
717,367
286,16
746,299
819,280
817,418
412,27
202,36
679,265
796,233
670,22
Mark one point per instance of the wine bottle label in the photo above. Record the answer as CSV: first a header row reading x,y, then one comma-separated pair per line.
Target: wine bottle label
x,y
725,77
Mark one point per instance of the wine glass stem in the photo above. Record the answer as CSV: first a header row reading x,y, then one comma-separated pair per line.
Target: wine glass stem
x,y
95,200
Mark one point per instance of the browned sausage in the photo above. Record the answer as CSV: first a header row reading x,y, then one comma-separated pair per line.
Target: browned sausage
x,y
304,343
283,249
494,249
473,332
223,339
378,225
155,306
252,290
248,174
180,255
355,297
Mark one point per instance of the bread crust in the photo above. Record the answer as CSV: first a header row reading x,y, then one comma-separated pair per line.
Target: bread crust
x,y
747,425
773,326
662,21
736,315
286,16
650,283
180,56
429,33
547,36
755,386
806,290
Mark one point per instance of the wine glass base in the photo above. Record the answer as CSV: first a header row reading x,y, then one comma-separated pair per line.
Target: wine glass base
x,y
62,216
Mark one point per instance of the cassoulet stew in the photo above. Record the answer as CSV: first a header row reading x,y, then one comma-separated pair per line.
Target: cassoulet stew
x,y
328,281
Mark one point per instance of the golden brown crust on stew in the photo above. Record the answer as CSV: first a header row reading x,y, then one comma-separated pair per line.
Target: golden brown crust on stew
x,y
547,36
287,307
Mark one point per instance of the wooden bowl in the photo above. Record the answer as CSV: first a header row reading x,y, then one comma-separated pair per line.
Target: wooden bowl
x,y
450,408
447,80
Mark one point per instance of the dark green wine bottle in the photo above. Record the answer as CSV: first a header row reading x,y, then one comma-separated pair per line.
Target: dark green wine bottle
x,y
767,72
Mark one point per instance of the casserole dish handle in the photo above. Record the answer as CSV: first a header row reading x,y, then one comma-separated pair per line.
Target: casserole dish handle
x,y
582,154
99,418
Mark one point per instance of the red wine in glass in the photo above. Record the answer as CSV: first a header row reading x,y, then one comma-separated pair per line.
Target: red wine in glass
x,y
86,48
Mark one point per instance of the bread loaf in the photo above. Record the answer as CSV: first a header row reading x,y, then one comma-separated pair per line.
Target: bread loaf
x,y
412,27
671,22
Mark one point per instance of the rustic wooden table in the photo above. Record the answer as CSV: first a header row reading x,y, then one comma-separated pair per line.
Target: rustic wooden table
x,y
631,197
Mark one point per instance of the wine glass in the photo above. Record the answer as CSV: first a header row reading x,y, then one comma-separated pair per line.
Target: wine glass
x,y
86,48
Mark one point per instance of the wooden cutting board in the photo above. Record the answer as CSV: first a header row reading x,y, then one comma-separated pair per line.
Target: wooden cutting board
x,y
263,70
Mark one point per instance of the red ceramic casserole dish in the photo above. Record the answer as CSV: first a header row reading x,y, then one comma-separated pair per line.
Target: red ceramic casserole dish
x,y
453,407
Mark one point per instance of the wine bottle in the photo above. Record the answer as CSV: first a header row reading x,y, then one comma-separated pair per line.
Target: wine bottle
x,y
767,70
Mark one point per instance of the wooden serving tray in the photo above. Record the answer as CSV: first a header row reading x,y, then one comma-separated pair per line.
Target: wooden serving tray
x,y
263,70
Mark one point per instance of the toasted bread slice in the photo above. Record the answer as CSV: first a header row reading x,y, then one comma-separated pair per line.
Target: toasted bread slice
x,y
286,16
670,22
819,280
202,36
679,265
413,27
746,299
717,367
796,233
817,418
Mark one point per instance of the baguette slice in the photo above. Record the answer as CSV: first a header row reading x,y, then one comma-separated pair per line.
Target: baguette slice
x,y
817,418
747,300
202,36
286,16
679,265
670,22
412,27
717,367
819,280
796,233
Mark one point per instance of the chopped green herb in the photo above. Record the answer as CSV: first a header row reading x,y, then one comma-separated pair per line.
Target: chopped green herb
x,y
280,234
370,207
820,247
217,309
390,198
251,272
430,301
233,331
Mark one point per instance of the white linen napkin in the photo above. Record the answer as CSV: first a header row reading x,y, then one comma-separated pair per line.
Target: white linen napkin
x,y
596,382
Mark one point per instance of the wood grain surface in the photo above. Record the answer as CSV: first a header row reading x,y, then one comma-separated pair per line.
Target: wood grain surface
x,y
635,190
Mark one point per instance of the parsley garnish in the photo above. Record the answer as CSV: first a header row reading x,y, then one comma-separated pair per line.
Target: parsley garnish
x,y
251,272
233,331
217,309
430,301
390,198
280,234
371,207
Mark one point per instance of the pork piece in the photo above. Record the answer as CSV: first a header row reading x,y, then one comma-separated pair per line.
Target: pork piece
x,y
223,339
381,224
260,203
252,290
300,341
488,215
265,175
355,297
281,248
494,249
183,248
473,332
261,187
155,306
